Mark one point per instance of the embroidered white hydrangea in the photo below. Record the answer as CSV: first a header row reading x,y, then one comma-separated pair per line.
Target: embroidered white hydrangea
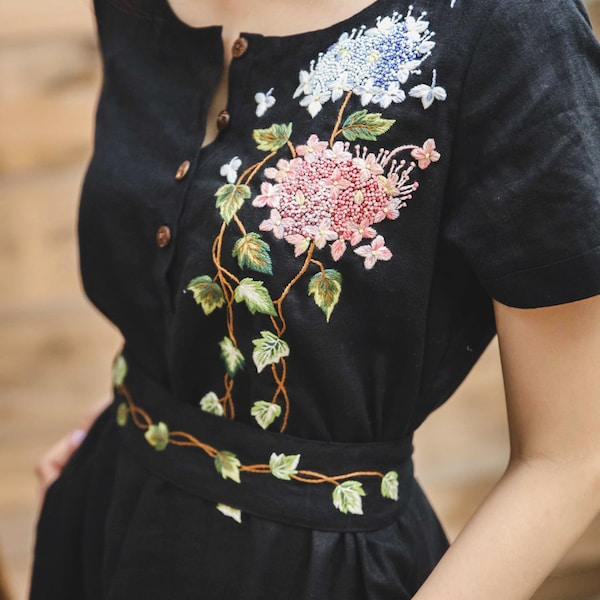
x,y
371,63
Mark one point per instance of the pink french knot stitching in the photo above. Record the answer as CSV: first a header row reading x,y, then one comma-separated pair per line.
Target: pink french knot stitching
x,y
335,196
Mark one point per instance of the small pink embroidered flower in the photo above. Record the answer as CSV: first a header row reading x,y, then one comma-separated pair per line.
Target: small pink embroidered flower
x,y
283,170
390,184
322,233
361,231
339,153
426,155
374,252
269,196
336,183
338,248
276,224
313,148
389,211
300,243
368,166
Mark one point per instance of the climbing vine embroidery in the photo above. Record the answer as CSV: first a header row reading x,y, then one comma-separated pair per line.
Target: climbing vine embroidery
x,y
317,195
347,491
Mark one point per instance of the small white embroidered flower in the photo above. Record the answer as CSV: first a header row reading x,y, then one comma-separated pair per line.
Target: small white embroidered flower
x,y
375,251
339,87
264,102
276,223
407,68
230,170
314,102
415,27
426,155
269,195
429,93
392,94
384,26
306,84
426,47
366,91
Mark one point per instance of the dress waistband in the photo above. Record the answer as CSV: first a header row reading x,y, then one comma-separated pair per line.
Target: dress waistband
x,y
327,486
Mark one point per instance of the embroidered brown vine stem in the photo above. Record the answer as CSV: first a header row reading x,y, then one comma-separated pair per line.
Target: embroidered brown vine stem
x,y
143,421
239,223
292,149
259,166
227,400
319,264
281,390
293,282
336,129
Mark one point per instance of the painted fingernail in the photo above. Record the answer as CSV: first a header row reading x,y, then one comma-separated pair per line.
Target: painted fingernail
x,y
78,436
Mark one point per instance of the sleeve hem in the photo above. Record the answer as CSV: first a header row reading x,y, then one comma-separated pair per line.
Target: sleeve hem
x,y
567,280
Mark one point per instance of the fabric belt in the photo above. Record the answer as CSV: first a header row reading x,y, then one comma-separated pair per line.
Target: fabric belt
x,y
231,463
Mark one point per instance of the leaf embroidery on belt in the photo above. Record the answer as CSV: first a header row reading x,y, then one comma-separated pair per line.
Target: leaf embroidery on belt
x,y
347,491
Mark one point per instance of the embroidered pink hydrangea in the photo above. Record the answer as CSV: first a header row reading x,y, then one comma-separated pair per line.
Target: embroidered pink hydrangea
x,y
331,196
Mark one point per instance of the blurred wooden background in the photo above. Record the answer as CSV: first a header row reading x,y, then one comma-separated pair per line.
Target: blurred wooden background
x,y
56,350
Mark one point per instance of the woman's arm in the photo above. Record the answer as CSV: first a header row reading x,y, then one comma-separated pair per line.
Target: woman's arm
x,y
550,491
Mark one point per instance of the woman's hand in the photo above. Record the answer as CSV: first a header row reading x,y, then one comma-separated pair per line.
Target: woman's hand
x,y
550,491
53,461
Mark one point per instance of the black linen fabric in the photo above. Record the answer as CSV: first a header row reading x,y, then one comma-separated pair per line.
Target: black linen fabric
x,y
327,274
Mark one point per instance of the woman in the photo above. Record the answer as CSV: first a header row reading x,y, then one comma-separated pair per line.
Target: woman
x,y
305,258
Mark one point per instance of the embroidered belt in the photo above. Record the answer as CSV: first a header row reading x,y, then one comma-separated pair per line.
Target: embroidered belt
x,y
327,486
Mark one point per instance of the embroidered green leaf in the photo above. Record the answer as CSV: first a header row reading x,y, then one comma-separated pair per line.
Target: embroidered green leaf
x,y
347,497
207,293
273,138
234,359
268,350
389,485
282,466
363,125
254,253
255,295
230,198
210,404
119,371
122,414
229,511
228,465
158,436
326,288
265,412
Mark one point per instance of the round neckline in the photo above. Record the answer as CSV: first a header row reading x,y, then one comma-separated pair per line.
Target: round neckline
x,y
343,24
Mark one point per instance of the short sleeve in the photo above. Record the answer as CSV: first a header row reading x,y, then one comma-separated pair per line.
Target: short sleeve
x,y
523,199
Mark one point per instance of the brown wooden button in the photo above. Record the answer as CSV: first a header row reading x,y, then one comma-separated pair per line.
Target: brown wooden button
x,y
222,120
182,170
240,47
163,236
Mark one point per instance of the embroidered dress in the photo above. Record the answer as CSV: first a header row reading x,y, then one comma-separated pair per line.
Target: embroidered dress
x,y
297,297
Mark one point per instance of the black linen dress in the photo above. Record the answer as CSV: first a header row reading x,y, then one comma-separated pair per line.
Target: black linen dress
x,y
296,297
